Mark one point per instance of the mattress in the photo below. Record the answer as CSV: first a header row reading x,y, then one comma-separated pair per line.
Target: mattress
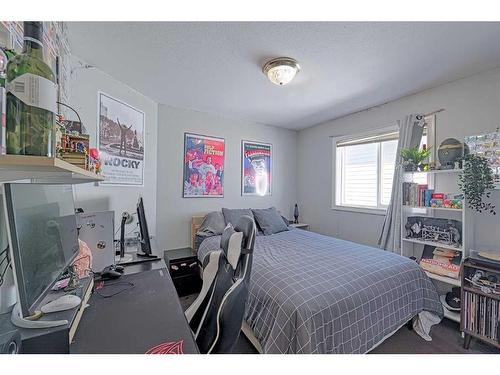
x,y
311,293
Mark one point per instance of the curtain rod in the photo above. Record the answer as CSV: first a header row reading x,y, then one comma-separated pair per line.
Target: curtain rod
x,y
433,113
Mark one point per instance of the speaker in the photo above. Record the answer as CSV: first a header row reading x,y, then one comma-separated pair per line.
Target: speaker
x,y
10,342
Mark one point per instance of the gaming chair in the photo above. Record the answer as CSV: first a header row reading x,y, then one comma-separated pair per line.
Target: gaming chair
x,y
216,316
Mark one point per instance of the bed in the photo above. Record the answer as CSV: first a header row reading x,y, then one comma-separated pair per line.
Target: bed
x,y
311,293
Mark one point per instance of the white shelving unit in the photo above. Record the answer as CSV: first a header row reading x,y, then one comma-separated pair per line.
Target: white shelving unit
x,y
443,181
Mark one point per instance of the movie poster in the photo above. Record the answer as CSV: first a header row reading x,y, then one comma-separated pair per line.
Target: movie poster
x,y
121,142
203,166
256,168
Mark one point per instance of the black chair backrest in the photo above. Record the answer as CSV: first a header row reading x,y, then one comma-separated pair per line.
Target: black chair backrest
x,y
217,328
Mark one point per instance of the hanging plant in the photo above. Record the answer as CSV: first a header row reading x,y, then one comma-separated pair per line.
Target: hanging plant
x,y
476,182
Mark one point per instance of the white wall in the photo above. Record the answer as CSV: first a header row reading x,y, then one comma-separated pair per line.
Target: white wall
x,y
472,106
84,86
174,212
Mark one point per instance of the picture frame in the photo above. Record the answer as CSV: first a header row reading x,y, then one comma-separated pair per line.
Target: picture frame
x,y
203,166
121,141
256,168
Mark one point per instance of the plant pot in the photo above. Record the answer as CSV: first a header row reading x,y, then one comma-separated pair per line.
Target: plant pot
x,y
410,167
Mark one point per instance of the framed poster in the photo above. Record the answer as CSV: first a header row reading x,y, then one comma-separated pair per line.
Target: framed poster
x,y
256,168
203,166
487,146
120,136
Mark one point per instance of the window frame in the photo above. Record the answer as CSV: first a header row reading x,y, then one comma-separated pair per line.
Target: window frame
x,y
337,167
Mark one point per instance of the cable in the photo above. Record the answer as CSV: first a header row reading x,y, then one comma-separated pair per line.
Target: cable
x,y
65,105
5,258
102,285
130,231
3,273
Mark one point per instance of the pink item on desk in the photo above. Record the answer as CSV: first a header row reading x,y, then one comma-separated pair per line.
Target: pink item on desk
x,y
83,261
176,347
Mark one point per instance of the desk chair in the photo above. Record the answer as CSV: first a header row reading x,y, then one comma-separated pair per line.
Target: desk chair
x,y
217,314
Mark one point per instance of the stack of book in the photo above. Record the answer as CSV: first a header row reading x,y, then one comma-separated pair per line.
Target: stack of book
x,y
416,195
76,158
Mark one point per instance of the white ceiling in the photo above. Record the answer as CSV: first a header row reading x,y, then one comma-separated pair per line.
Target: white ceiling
x,y
215,67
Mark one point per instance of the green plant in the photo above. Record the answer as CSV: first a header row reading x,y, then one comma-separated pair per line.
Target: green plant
x,y
415,155
476,181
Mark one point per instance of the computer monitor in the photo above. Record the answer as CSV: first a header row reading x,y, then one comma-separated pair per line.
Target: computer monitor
x,y
143,226
43,238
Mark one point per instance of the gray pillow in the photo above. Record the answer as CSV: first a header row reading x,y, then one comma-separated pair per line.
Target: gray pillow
x,y
269,220
233,215
213,224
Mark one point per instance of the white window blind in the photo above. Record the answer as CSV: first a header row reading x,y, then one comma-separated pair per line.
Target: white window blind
x,y
365,170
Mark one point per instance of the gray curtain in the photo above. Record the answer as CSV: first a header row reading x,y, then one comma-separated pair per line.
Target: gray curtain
x,y
410,135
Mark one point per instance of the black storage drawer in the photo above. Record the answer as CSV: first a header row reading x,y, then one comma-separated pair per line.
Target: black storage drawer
x,y
188,284
183,268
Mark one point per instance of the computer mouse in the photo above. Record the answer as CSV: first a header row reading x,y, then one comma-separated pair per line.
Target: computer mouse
x,y
119,268
110,274
66,302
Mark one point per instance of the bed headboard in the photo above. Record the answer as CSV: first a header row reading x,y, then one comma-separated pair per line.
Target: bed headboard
x,y
195,225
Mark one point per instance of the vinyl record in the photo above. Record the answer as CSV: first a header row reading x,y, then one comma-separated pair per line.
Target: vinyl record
x,y
490,256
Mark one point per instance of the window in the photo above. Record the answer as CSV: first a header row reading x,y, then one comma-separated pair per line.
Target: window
x,y
364,167
365,170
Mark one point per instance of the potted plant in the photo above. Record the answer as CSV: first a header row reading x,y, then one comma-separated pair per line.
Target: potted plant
x,y
476,182
413,158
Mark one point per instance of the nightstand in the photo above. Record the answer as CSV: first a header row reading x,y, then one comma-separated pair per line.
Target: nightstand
x,y
300,226
184,269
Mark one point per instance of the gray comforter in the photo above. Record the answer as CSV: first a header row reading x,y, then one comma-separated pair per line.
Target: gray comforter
x,y
311,293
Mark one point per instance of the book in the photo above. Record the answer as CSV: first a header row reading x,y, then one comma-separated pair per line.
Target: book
x,y
440,261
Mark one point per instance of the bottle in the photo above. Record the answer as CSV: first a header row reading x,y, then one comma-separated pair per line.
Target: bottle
x,y
3,65
31,98
296,213
424,165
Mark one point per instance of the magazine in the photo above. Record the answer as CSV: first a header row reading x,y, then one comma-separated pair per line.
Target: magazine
x,y
444,262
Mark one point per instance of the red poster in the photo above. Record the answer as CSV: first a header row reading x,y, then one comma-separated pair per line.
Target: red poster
x,y
203,166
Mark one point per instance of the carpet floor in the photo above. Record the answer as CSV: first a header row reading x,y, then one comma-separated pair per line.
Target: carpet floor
x,y
446,339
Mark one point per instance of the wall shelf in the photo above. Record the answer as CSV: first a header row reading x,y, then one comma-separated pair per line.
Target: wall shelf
x,y
443,279
436,171
43,169
432,243
433,208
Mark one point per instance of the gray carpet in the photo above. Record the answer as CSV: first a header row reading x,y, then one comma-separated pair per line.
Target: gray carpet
x,y
446,339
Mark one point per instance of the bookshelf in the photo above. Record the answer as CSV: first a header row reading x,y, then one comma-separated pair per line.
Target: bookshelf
x,y
445,181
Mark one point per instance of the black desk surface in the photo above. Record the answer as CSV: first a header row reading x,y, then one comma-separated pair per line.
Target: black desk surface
x,y
136,319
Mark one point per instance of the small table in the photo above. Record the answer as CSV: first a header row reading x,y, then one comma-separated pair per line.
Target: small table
x,y
184,269
300,226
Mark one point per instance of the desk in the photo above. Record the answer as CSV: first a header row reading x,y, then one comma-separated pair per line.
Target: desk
x,y
53,340
138,318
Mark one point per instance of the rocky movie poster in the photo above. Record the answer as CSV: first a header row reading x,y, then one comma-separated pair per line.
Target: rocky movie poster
x,y
121,142
203,166
256,167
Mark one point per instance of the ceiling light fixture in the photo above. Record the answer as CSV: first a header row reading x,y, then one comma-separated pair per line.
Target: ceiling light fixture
x,y
281,70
